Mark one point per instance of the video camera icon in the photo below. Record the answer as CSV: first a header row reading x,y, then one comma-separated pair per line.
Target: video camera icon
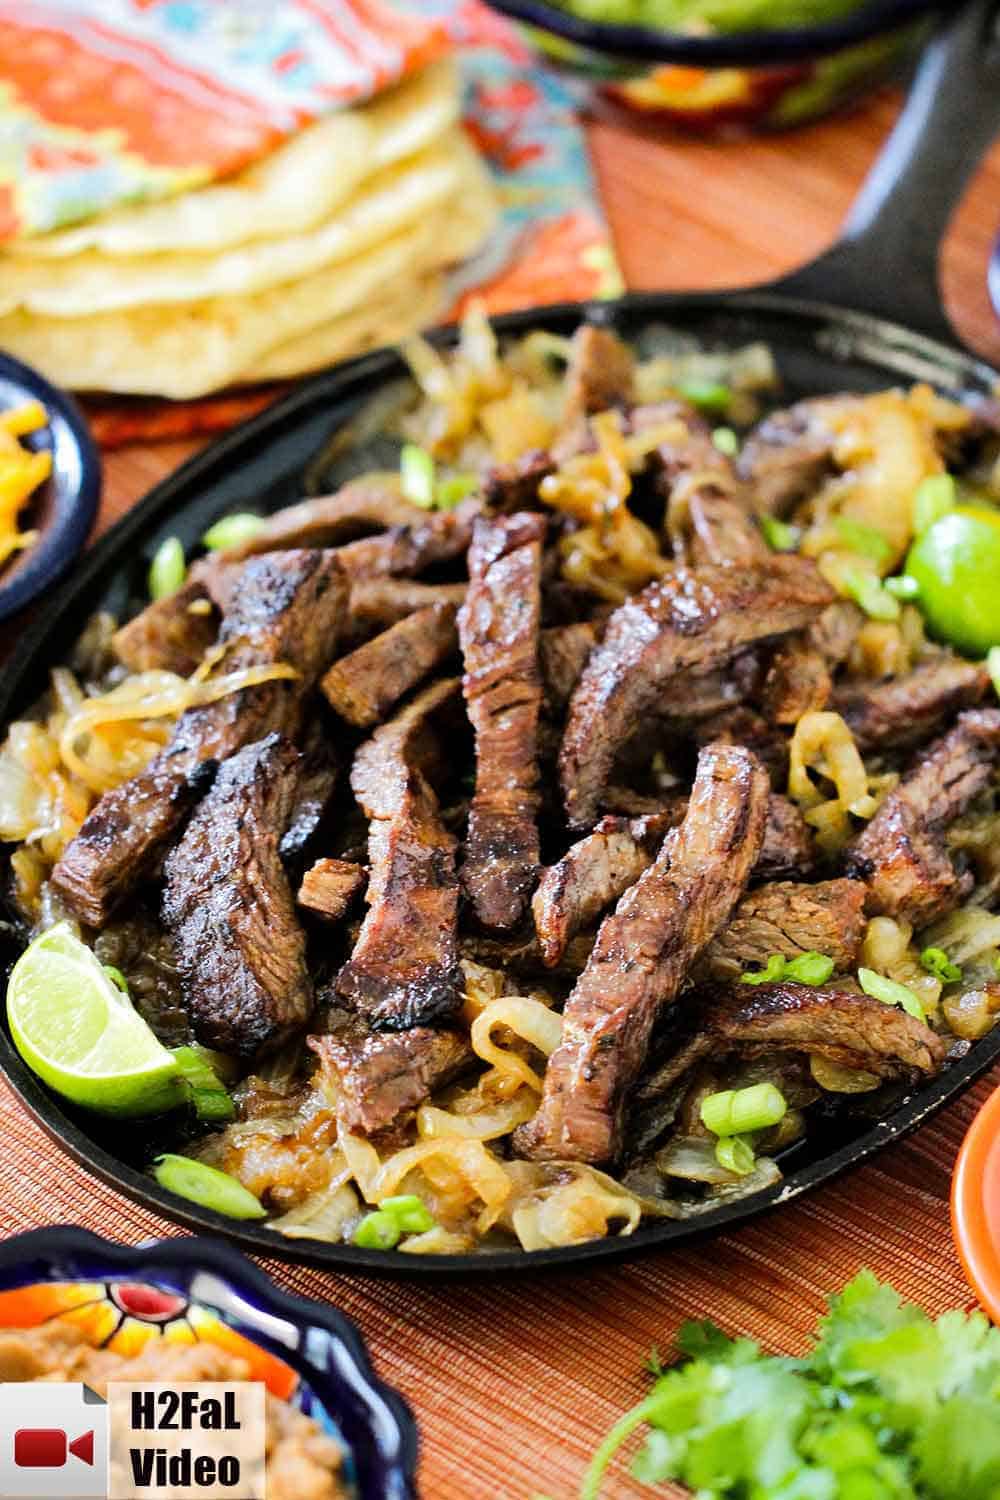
x,y
50,1448
53,1442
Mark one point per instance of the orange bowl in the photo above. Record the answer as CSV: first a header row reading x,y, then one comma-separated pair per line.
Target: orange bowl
x,y
975,1205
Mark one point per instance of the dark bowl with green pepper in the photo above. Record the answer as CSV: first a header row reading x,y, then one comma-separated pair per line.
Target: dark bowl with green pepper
x,y
726,66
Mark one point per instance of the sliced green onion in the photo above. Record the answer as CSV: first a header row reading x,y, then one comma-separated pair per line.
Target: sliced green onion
x,y
206,1091
809,968
902,586
778,535
740,1111
890,993
735,1154
864,540
117,977
865,589
232,531
410,1213
706,395
726,441
937,962
774,971
168,569
416,474
993,666
377,1231
453,490
207,1186
934,498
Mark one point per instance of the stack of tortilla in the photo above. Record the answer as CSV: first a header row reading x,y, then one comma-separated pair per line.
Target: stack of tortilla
x,y
334,243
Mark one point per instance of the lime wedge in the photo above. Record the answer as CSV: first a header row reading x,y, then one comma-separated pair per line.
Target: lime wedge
x,y
76,1029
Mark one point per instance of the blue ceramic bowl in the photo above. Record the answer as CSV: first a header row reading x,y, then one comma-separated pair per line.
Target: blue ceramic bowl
x,y
729,81
63,509
305,1351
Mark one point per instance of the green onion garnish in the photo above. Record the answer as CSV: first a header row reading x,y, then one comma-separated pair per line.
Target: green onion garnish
x,y
735,1154
726,441
864,540
377,1231
865,589
934,498
807,968
902,586
778,535
117,977
207,1186
168,569
774,971
205,1089
890,993
937,962
410,1213
706,395
453,490
740,1111
416,474
232,531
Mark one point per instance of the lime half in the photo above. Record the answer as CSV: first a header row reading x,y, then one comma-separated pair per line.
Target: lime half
x,y
76,1029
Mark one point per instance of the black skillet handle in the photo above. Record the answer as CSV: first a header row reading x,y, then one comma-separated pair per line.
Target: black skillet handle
x,y
886,261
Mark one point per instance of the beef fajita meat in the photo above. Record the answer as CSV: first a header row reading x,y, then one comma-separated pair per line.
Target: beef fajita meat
x,y
379,1077
742,725
700,618
789,453
377,603
901,855
900,712
599,868
289,609
363,686
601,373
404,970
642,954
789,918
498,627
798,681
834,632
169,635
514,486
317,782
372,502
406,550
708,520
329,886
228,907
562,656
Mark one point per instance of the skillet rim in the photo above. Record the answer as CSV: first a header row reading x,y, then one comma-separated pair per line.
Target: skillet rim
x,y
340,383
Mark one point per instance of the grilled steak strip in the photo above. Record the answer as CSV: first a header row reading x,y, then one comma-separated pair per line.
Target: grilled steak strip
x,y
228,908
905,711
514,486
317,782
289,608
797,682
169,635
643,951
372,502
498,628
707,519
599,868
789,453
329,886
901,854
562,655
380,1076
404,970
699,618
843,1025
377,603
406,550
601,373
788,918
365,685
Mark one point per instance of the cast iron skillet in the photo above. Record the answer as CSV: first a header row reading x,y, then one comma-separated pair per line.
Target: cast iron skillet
x,y
865,315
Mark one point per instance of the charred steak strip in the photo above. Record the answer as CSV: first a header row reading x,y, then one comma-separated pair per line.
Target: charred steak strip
x,y
380,1076
329,886
404,970
700,618
377,603
599,868
289,608
797,682
365,685
562,655
498,628
601,372
787,456
228,907
901,854
787,918
707,520
169,635
514,486
406,550
904,711
643,951
372,502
